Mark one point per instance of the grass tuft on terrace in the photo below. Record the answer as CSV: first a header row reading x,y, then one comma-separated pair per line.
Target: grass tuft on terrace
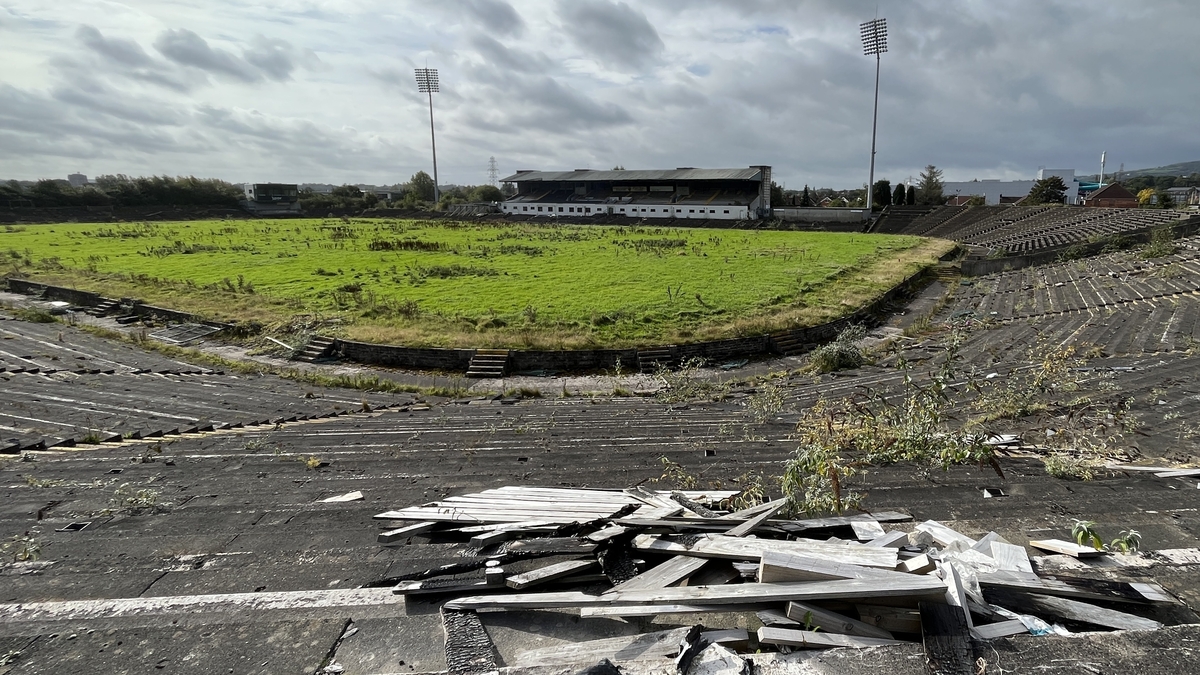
x,y
448,284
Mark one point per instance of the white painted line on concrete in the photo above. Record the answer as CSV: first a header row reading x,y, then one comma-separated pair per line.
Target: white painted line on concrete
x,y
79,610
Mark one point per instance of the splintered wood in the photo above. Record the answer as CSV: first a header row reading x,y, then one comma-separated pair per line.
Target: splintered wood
x,y
817,583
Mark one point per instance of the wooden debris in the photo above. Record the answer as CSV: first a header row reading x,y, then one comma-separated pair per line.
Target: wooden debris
x,y
947,640
943,535
893,619
549,573
737,548
1011,558
893,539
655,610
813,618
1046,605
670,572
866,530
661,644
921,564
897,586
777,567
992,631
1066,548
753,523
805,639
403,533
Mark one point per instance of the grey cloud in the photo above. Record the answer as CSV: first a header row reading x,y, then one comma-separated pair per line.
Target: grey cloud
x,y
276,58
499,55
497,16
189,49
612,31
126,52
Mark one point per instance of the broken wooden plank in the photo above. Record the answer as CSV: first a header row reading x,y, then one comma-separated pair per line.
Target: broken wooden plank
x,y
656,645
607,533
830,522
816,618
984,545
947,640
840,589
943,535
549,573
777,567
1011,558
548,545
753,523
663,575
1066,548
866,530
774,617
1074,587
403,533
805,639
497,536
715,573
747,513
893,539
655,610
992,631
956,594
1046,605
894,619
738,548
1180,473
921,564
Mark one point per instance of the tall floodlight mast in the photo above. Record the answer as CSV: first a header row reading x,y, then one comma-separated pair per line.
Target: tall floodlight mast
x,y
427,83
874,39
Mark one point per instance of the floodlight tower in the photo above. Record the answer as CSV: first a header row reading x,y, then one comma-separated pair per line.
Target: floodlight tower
x,y
874,39
427,83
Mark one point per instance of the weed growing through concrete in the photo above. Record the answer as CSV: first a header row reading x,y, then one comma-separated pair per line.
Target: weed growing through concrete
x,y
21,548
132,500
1066,467
34,481
841,354
685,384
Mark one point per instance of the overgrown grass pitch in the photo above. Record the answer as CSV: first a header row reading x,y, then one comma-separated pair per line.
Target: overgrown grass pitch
x,y
477,284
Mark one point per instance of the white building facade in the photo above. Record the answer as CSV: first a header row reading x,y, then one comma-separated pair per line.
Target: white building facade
x,y
994,190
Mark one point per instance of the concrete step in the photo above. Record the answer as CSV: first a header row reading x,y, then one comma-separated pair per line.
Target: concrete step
x,y
492,363
317,347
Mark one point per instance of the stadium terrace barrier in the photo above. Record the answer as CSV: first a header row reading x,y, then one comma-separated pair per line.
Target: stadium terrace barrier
x,y
977,267
527,360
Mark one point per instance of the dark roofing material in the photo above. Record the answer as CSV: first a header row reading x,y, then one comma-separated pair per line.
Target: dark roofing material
x,y
751,173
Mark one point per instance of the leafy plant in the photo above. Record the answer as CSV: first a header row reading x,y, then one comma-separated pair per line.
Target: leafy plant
x,y
21,548
1067,467
1084,533
841,354
1129,541
134,501
677,476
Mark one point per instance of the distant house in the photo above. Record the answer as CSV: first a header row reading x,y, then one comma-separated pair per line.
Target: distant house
x,y
77,180
1112,196
270,198
1184,196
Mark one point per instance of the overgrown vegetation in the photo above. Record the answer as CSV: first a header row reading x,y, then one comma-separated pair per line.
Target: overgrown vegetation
x,y
841,354
477,284
135,501
946,419
21,548
1162,244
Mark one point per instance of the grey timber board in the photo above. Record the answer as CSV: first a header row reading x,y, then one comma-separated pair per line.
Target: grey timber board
x,y
1074,610
947,640
803,639
670,572
832,622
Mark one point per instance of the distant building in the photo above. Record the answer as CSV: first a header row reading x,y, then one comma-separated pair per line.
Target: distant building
x,y
77,180
996,192
1113,196
686,193
1184,196
271,198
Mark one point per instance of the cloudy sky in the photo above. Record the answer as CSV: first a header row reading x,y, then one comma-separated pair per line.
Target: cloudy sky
x,y
323,90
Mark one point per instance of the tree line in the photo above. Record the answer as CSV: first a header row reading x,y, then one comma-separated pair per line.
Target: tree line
x,y
122,190
417,193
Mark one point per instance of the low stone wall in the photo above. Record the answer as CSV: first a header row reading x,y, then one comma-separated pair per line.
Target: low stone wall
x,y
71,295
816,214
404,357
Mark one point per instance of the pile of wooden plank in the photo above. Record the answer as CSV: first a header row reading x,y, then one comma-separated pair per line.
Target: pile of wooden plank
x,y
844,581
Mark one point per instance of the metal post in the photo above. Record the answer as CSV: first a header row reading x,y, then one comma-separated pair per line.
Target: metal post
x,y
427,82
433,144
874,126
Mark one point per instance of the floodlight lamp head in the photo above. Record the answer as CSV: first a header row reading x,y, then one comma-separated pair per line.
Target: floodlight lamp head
x,y
427,80
874,37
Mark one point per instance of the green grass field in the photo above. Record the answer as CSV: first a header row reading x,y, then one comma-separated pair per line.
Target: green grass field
x,y
475,284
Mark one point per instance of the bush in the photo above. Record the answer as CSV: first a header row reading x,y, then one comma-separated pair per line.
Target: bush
x,y
841,354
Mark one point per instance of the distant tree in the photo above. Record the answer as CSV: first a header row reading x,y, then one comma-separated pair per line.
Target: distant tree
x,y
1049,190
910,197
929,189
370,199
776,194
805,198
1145,197
422,185
977,200
898,194
882,193
618,168
1164,200
346,192
487,193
